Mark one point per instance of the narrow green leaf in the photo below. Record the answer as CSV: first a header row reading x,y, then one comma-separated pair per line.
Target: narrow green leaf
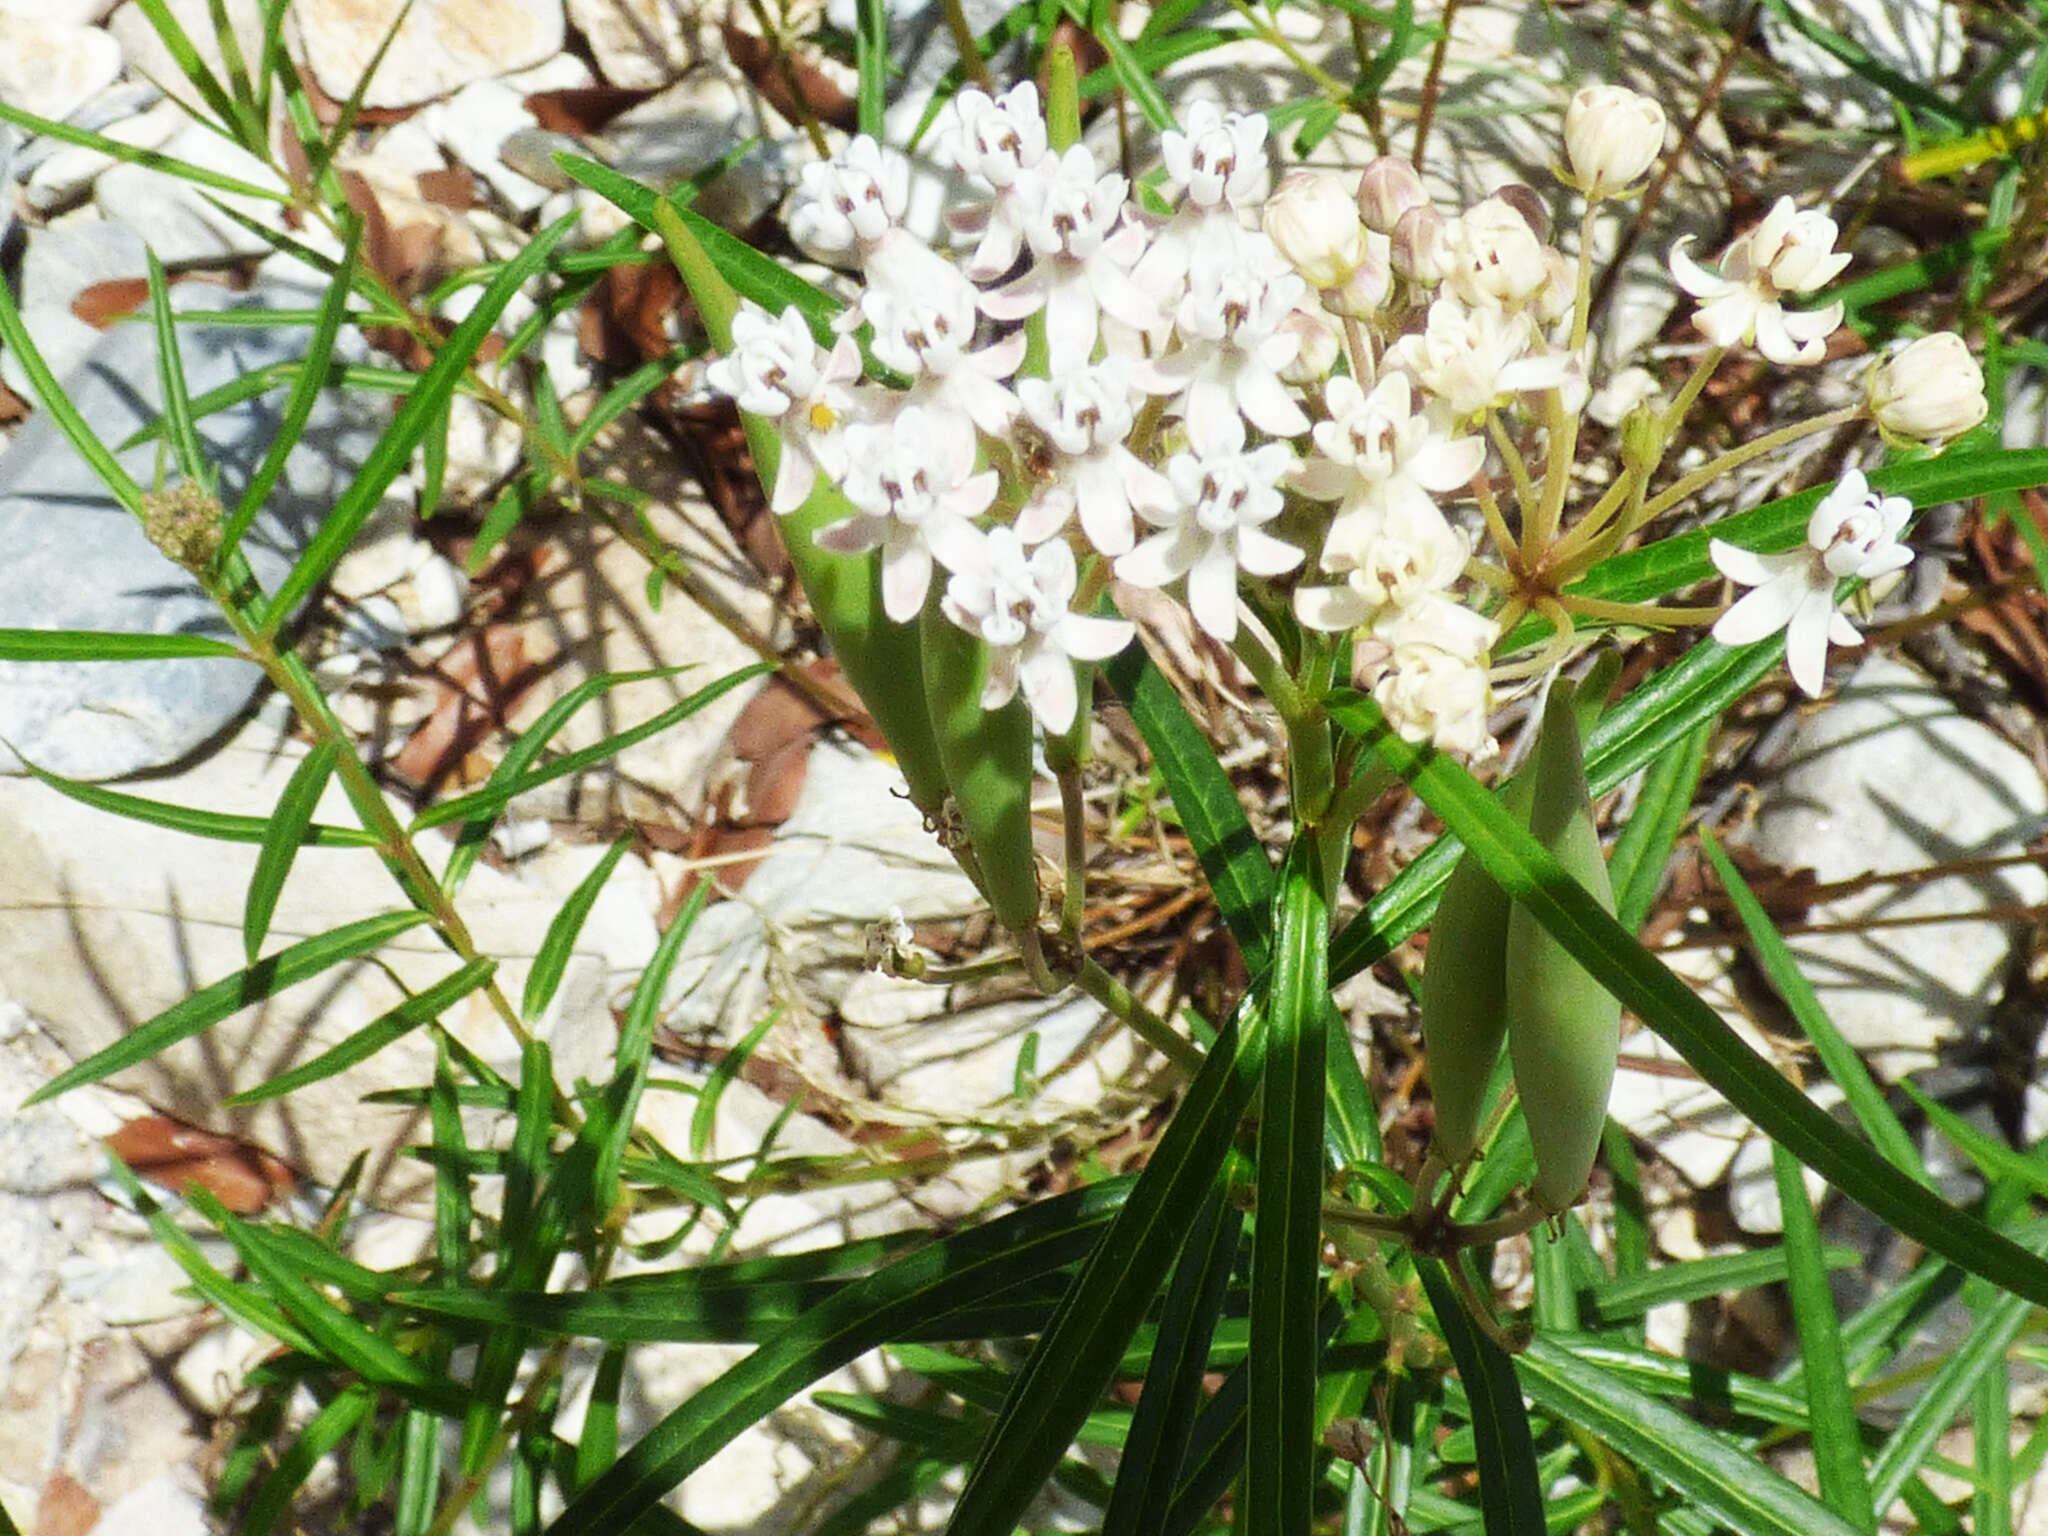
x,y
110,645
1287,1239
1729,1485
1697,1279
282,841
1644,847
454,1211
1831,1407
1664,1002
326,1430
421,1008
423,404
171,33
170,165
222,826
1239,873
552,958
419,1473
636,1048
119,483
946,1273
598,1446
1866,1099
871,63
170,374
209,1005
306,387
494,796
1133,76
704,1113
1082,1346
1991,1499
1998,1162
1510,1493
1697,1383
1148,1471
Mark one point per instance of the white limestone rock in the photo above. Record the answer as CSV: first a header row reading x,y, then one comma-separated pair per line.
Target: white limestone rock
x,y
442,46
51,66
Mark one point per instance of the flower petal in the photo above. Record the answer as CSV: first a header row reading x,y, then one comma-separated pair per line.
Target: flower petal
x,y
1263,555
1212,593
1763,612
1749,567
1806,642
1048,679
1332,610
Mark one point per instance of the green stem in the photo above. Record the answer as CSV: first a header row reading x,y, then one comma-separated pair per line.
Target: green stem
x,y
1518,471
1186,1057
1311,763
971,62
1734,458
1074,821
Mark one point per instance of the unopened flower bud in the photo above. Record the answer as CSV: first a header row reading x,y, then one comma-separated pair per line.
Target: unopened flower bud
x,y
1643,436
1316,352
184,522
1612,135
1313,221
1365,292
1613,401
1560,290
1930,388
1495,256
1528,202
1388,188
1418,247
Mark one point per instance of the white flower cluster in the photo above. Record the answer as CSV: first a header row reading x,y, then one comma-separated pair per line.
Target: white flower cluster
x,y
1212,400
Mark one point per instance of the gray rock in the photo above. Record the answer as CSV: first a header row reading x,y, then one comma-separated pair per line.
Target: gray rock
x,y
1891,778
77,560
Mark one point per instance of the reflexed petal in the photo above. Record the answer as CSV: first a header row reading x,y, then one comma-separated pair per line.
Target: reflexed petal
x,y
1000,686
1775,341
1763,612
1841,631
1045,514
1263,555
794,478
1117,295
1071,322
1446,464
958,544
1322,479
1159,559
1264,399
1691,276
1330,609
906,577
1212,593
1806,642
988,405
1749,567
854,535
1086,638
1144,487
1049,688
1105,513
1015,301
1214,427
1727,320
971,498
1001,359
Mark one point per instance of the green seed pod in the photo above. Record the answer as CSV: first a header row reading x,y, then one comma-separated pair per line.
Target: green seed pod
x,y
987,759
1564,1028
1464,992
879,658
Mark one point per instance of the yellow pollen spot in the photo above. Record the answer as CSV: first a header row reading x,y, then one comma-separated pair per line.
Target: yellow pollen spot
x,y
823,417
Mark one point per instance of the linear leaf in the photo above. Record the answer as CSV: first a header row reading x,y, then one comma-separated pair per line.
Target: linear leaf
x,y
636,1048
366,1042
1239,873
1830,1407
552,958
170,373
209,1005
1510,1493
1728,1485
223,826
323,1432
109,645
947,1273
282,841
1081,1348
1866,1099
114,149
424,403
1642,982
1287,1238
1616,1300
1644,847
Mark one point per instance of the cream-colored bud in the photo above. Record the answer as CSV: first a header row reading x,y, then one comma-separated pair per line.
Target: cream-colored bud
x,y
1930,388
1528,202
1418,247
1612,135
1560,290
1365,292
1312,218
1316,352
1387,188
1495,257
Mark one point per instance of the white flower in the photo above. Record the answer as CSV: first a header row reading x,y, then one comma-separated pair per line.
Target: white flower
x,y
1380,456
1001,144
1224,496
1085,416
1427,668
1218,157
1083,260
917,494
1790,252
1853,534
1018,604
1233,342
1494,256
1612,136
844,204
1622,393
923,312
776,370
1470,357
1312,220
1931,388
1407,555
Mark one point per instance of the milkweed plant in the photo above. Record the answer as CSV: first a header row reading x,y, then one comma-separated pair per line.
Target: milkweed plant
x,y
1372,447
